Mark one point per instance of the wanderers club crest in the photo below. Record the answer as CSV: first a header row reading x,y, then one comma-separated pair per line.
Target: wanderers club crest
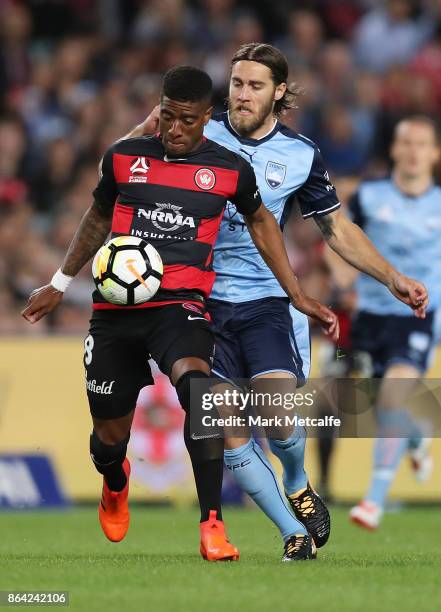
x,y
275,174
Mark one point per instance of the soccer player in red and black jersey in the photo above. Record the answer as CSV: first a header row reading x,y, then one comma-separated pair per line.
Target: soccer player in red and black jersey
x,y
170,189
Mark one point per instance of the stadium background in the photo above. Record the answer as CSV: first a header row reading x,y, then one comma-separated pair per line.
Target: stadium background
x,y
75,76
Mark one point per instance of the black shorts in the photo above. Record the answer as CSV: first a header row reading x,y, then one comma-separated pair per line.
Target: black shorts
x,y
390,339
120,343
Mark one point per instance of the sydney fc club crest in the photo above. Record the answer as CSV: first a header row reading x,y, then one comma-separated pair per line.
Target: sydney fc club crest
x,y
275,174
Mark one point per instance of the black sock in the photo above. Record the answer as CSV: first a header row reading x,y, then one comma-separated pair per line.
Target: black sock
x,y
108,460
208,478
115,477
207,460
206,454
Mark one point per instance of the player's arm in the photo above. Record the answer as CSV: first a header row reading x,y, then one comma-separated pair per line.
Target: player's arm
x,y
90,235
266,235
318,199
351,243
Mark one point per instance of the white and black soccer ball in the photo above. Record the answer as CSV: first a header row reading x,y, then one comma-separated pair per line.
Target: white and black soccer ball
x,y
127,271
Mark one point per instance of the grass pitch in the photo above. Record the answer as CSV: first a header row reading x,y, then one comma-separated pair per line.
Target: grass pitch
x,y
158,566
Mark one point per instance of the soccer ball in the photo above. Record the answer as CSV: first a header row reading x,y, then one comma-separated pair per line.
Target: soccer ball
x,y
127,271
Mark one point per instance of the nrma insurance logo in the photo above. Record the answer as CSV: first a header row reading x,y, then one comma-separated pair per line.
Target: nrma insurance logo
x,y
275,174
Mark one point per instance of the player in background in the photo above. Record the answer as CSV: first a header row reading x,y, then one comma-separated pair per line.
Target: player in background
x,y
402,217
167,328
257,333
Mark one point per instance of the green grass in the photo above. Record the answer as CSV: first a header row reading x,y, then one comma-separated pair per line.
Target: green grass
x,y
158,566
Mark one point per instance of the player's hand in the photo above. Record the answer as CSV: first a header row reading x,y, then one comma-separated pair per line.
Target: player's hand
x,y
411,292
41,302
150,125
327,319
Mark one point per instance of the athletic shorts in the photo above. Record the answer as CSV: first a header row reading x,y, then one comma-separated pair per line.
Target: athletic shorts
x,y
390,339
259,337
120,343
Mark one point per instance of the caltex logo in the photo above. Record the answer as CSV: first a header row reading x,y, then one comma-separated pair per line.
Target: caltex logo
x,y
205,178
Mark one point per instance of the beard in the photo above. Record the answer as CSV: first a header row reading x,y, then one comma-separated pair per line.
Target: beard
x,y
248,124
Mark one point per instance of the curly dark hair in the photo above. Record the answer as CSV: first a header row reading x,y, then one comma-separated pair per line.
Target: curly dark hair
x,y
274,59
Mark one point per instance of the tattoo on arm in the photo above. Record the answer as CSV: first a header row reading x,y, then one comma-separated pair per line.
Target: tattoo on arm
x,y
90,235
325,225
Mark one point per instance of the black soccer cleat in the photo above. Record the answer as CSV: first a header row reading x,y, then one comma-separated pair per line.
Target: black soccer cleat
x,y
299,547
310,509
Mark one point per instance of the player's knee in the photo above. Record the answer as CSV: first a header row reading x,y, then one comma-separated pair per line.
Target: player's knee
x,y
111,431
183,387
105,454
188,365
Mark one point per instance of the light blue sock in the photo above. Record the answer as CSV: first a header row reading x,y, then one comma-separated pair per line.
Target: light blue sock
x,y
254,474
291,453
418,431
395,427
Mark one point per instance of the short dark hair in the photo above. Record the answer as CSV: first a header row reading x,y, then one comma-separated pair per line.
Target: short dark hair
x,y
274,59
187,84
422,120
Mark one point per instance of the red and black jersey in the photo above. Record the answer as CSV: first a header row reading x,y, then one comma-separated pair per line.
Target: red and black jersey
x,y
176,204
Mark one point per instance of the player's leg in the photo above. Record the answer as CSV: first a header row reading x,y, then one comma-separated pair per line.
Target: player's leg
x,y
277,348
183,348
398,432
116,368
206,454
244,457
394,428
331,367
108,449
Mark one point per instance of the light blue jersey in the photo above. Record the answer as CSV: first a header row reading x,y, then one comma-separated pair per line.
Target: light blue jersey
x,y
407,232
287,165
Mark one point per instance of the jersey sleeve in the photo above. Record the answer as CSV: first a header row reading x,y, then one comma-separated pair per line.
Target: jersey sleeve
x,y
106,191
355,211
247,198
317,195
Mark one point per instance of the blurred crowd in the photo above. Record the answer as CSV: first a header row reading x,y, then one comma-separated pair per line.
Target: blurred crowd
x,y
75,75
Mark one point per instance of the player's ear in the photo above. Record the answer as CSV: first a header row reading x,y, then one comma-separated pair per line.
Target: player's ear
x,y
280,91
207,115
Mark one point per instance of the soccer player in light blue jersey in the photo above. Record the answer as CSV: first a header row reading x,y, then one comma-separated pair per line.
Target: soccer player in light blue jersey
x,y
258,335
402,217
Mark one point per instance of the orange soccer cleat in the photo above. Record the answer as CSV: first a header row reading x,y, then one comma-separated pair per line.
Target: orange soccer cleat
x,y
214,543
113,510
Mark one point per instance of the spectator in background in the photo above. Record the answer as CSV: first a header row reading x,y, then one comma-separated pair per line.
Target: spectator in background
x,y
427,63
215,24
336,72
304,39
341,16
160,20
57,173
15,31
13,186
339,143
391,34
